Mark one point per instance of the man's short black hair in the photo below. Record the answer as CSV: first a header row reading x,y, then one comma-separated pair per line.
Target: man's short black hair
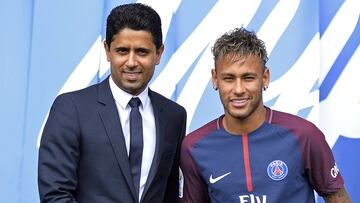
x,y
135,16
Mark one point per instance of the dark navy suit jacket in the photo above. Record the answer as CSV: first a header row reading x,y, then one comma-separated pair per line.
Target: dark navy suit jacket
x,y
83,157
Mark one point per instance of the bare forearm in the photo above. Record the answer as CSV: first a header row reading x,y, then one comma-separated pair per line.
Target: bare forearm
x,y
339,196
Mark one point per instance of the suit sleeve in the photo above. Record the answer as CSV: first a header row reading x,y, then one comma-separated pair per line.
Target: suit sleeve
x,y
194,188
172,191
59,153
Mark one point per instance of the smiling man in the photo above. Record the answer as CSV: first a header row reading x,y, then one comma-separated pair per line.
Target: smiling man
x,y
116,141
252,153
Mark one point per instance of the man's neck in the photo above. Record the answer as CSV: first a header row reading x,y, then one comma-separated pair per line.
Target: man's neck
x,y
239,126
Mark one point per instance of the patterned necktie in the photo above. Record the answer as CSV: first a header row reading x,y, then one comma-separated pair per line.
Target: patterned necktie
x,y
136,142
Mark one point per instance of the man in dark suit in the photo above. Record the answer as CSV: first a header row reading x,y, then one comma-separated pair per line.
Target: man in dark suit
x,y
87,144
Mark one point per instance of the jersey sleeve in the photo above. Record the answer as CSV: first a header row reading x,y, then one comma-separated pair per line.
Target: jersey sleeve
x,y
319,163
194,188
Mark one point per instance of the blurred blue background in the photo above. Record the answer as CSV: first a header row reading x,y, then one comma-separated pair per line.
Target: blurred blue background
x,y
51,47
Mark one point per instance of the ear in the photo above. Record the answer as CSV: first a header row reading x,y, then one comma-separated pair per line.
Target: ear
x,y
266,78
107,51
159,52
214,79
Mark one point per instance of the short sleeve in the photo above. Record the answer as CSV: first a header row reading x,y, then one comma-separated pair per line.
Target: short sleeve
x,y
194,188
319,163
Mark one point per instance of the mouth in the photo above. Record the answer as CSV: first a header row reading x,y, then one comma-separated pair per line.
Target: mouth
x,y
239,102
132,75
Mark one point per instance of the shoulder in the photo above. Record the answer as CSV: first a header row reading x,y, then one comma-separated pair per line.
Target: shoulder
x,y
294,123
160,100
200,133
84,95
84,92
82,100
307,134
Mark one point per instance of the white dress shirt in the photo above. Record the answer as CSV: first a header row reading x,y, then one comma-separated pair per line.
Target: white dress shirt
x,y
122,99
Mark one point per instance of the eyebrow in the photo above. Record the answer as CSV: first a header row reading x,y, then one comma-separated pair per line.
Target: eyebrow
x,y
243,74
248,74
122,48
142,49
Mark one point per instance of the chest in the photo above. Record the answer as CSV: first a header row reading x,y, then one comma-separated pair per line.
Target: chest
x,y
266,165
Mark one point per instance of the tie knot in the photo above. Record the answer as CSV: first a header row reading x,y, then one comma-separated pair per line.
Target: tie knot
x,y
134,102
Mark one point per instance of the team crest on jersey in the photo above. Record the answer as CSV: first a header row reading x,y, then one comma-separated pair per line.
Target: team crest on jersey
x,y
277,170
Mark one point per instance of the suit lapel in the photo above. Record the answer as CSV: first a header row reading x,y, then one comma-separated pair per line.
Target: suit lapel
x,y
159,124
109,116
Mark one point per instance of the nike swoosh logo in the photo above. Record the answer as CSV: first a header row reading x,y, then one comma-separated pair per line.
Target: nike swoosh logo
x,y
214,180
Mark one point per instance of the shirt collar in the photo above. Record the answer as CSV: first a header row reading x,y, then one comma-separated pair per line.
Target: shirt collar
x,y
122,98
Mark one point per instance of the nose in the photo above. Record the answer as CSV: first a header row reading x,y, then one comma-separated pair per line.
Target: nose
x,y
131,61
238,87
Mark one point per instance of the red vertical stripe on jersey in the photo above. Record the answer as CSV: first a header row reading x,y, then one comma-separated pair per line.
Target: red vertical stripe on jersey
x,y
247,162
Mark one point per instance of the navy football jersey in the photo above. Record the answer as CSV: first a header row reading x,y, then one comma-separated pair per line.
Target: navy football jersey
x,y
284,160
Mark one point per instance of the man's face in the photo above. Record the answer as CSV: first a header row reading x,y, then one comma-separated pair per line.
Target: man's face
x,y
240,82
133,57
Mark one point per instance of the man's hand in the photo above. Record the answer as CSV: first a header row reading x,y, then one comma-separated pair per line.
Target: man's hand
x,y
340,196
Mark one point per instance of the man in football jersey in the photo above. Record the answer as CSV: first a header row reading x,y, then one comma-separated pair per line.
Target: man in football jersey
x,y
253,153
